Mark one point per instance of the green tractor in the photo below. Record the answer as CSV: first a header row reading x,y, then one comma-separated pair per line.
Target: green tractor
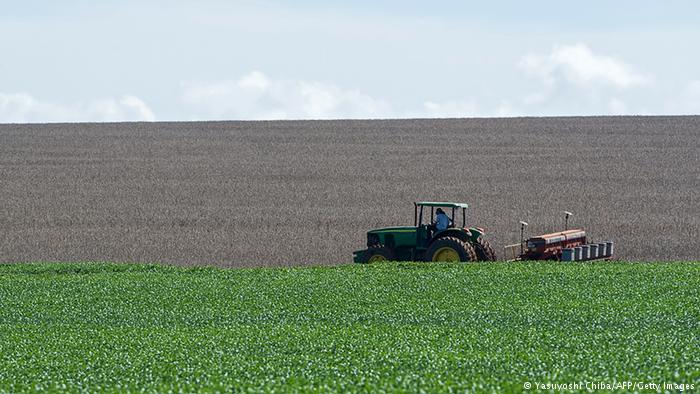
x,y
422,242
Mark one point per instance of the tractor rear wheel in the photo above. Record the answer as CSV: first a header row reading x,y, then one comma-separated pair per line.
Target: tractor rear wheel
x,y
377,253
483,249
450,249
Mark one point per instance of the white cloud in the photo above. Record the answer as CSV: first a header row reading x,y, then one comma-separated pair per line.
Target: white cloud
x,y
574,80
256,96
23,108
254,80
577,64
133,105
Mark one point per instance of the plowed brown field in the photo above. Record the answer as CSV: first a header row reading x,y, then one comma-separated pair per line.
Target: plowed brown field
x,y
304,192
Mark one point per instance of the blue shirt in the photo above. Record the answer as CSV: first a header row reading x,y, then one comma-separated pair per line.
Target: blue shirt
x,y
441,221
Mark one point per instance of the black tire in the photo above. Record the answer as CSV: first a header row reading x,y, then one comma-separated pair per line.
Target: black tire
x,y
483,249
377,253
463,250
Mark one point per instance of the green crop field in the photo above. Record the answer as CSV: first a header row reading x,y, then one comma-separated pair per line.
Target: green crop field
x,y
408,327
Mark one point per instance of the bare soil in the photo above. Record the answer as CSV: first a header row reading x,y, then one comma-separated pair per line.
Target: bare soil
x,y
305,192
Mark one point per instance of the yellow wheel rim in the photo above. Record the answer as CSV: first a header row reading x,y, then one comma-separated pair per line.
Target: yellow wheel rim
x,y
446,254
376,258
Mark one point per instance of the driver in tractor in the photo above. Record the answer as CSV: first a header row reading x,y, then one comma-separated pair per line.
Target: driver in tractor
x,y
441,222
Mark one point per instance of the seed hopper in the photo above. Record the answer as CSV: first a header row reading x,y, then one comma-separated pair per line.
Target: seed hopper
x,y
567,245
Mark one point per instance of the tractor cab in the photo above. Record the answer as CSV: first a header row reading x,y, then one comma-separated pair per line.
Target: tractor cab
x,y
453,210
422,241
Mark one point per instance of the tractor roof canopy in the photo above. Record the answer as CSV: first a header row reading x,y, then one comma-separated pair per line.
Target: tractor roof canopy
x,y
442,204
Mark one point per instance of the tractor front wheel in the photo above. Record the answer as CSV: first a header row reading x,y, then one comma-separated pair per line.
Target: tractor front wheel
x,y
450,249
377,253
483,249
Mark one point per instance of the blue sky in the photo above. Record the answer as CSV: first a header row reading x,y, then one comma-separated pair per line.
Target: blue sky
x,y
187,60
